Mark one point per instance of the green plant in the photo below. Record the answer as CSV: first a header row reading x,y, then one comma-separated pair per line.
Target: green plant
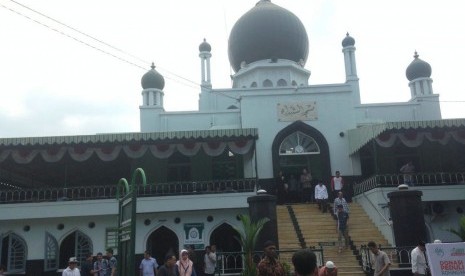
x,y
461,231
287,268
248,236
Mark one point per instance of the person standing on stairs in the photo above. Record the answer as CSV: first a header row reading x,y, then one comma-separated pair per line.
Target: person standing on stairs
x,y
337,184
306,184
340,200
342,227
321,196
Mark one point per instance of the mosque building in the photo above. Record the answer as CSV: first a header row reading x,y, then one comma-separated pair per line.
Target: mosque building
x,y
57,194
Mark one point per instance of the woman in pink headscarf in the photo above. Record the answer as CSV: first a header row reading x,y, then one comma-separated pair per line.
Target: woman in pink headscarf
x,y
185,266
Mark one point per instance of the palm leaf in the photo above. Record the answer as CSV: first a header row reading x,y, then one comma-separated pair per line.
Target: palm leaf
x,y
248,236
461,231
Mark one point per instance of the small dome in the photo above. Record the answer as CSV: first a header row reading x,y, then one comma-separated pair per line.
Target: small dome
x,y
205,46
418,69
267,31
153,79
348,41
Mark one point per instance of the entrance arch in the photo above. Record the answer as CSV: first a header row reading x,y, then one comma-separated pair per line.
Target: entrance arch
x,y
226,240
300,146
161,242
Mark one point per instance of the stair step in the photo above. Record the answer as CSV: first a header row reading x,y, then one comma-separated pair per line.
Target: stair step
x,y
319,227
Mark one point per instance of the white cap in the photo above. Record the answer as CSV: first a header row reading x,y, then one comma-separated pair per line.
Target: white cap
x,y
330,264
437,241
73,260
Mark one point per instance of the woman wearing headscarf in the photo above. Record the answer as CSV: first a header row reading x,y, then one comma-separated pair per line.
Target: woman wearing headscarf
x,y
185,266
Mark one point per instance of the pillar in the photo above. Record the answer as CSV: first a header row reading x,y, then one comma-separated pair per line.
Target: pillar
x,y
407,217
261,206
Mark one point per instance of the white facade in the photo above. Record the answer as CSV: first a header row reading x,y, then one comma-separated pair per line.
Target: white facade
x,y
260,88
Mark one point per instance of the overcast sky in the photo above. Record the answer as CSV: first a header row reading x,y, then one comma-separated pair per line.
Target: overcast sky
x,y
58,81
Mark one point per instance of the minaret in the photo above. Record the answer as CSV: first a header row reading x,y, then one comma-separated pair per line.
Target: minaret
x,y
348,49
419,73
152,93
205,55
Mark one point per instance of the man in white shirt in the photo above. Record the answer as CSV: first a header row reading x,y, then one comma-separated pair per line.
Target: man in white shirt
x,y
210,260
321,196
148,266
419,266
72,269
337,184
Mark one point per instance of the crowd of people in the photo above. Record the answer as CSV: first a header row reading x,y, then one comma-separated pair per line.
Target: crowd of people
x,y
304,261
100,265
305,189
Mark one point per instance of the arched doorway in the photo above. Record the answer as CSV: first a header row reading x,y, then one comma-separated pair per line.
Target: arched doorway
x,y
300,146
161,242
76,244
226,240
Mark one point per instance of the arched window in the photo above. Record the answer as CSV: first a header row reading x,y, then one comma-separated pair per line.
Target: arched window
x,y
254,84
298,143
282,82
51,253
267,83
13,253
76,244
294,83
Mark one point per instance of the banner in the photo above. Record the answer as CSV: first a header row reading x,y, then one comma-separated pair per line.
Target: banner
x,y
446,258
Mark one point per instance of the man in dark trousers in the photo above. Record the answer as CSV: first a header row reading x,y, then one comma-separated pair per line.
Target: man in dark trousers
x,y
342,227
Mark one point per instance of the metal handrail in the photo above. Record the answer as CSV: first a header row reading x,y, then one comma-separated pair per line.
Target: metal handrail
x,y
232,263
419,179
110,191
399,256
374,207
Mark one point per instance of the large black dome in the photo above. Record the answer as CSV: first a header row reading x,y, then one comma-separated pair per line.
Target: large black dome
x,y
267,31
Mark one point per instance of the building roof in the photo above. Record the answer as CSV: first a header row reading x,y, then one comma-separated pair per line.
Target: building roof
x,y
131,137
362,135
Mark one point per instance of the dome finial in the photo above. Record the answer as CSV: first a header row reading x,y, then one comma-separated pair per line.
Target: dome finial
x,y
416,54
153,66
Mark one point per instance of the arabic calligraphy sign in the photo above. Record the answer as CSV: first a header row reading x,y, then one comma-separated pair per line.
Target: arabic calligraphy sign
x,y
304,111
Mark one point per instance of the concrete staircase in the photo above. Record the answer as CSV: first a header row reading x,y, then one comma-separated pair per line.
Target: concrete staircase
x,y
319,228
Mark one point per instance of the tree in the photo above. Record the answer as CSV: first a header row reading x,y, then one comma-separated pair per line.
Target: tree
x,y
461,231
248,239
